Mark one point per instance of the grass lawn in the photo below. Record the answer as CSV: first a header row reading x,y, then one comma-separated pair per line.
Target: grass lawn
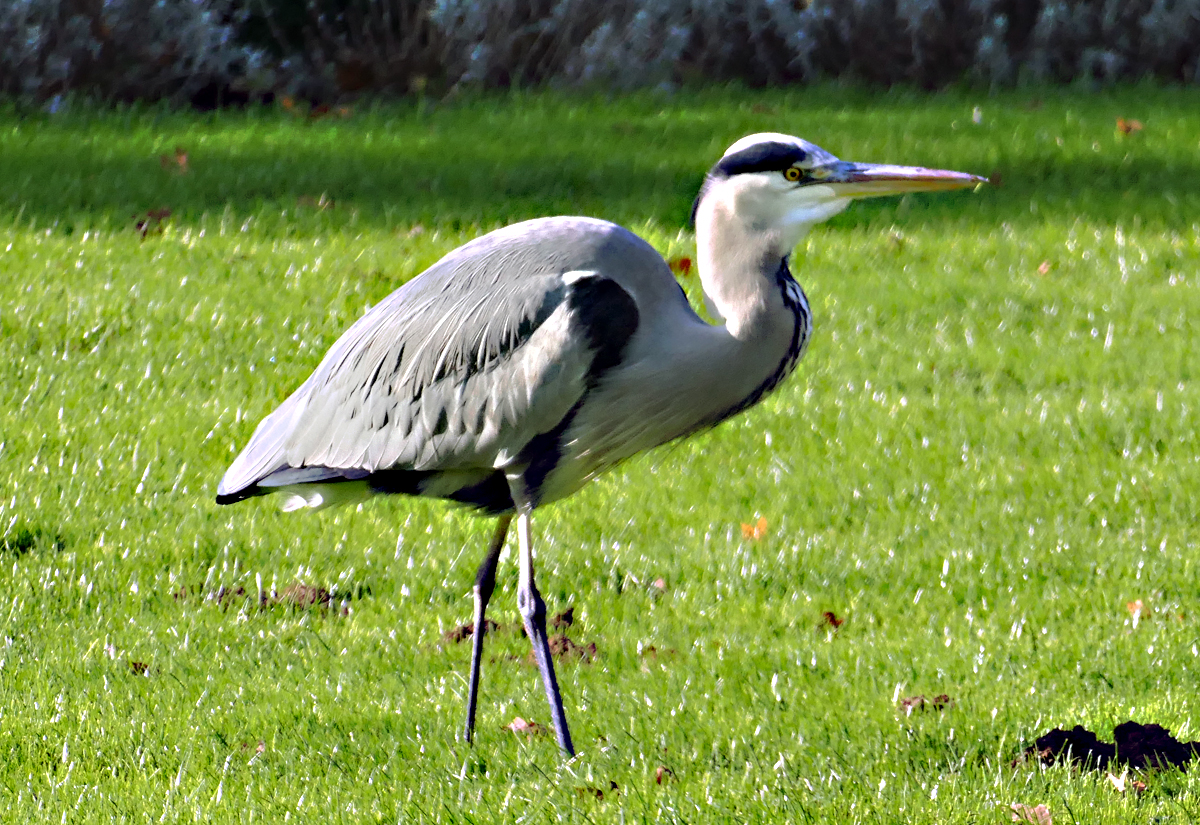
x,y
987,455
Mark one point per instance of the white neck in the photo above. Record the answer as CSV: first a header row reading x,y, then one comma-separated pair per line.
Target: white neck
x,y
738,263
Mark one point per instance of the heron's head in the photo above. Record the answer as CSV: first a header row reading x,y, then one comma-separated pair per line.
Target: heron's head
x,y
783,185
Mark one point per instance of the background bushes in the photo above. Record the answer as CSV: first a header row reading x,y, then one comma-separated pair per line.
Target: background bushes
x,y
218,51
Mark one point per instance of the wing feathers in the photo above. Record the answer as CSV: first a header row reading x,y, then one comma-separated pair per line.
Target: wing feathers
x,y
456,372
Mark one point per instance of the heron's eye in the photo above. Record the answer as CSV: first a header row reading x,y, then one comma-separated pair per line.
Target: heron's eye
x,y
792,174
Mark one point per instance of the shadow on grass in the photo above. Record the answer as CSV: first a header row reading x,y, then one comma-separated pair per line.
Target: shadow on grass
x,y
499,161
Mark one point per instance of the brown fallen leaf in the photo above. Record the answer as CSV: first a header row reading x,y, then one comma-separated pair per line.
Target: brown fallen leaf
x,y
177,162
564,620
939,702
1037,815
224,595
598,793
682,265
830,619
287,102
527,727
1044,268
139,668
1138,610
152,221
302,596
755,531
465,631
652,652
1128,127
561,647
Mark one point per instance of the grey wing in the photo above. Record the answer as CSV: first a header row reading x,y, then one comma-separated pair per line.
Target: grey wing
x,y
452,373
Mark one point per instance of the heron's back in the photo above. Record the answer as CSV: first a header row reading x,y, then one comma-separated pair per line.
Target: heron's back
x,y
479,364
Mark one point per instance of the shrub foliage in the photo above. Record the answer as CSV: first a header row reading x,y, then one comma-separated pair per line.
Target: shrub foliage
x,y
324,49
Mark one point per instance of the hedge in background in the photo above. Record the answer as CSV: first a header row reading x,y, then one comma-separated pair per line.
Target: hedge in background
x,y
220,50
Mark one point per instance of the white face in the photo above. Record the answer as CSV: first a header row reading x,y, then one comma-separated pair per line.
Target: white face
x,y
771,202
784,185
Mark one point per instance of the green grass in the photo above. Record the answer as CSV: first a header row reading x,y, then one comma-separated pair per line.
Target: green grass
x,y
977,466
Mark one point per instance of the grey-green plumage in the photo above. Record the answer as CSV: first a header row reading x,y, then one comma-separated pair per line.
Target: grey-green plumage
x,y
530,360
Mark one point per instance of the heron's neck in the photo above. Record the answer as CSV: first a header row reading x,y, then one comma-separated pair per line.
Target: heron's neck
x,y
739,270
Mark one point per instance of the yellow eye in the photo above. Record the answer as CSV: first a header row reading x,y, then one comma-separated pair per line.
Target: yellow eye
x,y
792,174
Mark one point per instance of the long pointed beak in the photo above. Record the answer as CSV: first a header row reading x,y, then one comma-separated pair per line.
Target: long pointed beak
x,y
868,180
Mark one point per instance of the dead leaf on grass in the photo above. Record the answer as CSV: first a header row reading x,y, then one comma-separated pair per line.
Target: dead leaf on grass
x,y
303,596
152,221
1138,610
755,531
1123,783
1037,815
682,265
1128,127
561,647
830,619
177,162
139,668
564,620
598,793
939,702
465,631
525,726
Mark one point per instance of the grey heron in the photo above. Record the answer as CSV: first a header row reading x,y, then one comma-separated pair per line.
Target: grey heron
x,y
528,361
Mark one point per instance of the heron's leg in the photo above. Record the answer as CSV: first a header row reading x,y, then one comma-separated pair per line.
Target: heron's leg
x,y
533,612
485,583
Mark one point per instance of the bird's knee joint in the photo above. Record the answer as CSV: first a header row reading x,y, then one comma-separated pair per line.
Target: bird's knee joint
x,y
531,606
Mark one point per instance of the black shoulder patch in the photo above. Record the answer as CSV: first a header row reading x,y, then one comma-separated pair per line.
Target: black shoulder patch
x,y
770,156
607,316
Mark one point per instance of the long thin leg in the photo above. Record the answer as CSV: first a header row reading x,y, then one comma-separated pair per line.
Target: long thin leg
x,y
485,583
533,611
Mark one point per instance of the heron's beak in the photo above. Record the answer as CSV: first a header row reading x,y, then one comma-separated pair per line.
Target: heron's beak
x,y
868,180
